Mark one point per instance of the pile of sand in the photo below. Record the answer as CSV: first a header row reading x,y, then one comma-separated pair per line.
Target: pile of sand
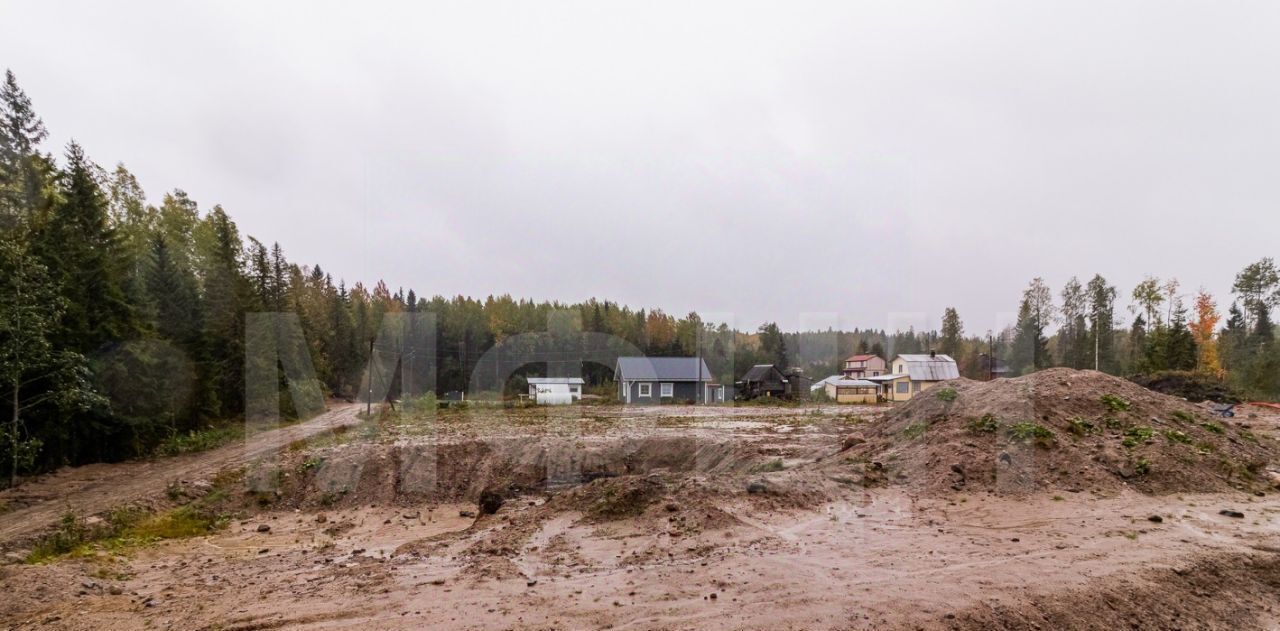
x,y
1059,429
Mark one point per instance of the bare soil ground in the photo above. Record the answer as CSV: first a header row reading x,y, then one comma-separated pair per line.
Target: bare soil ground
x,y
687,518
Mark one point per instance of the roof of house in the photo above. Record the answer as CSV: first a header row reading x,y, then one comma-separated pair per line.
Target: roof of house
x,y
852,383
538,381
862,358
888,377
823,382
662,368
937,367
760,372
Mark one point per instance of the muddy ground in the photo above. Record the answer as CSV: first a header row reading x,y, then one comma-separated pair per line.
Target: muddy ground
x,y
600,517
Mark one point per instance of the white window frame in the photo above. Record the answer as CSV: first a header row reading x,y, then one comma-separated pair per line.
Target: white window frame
x,y
667,389
644,389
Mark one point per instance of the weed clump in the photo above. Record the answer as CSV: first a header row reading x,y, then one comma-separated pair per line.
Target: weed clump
x,y
1114,403
1213,427
1135,435
985,425
1081,427
1027,431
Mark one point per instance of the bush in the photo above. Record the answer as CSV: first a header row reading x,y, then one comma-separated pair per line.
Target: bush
x,y
1192,386
947,394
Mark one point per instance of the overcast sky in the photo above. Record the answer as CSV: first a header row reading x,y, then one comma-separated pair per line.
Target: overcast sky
x,y
878,161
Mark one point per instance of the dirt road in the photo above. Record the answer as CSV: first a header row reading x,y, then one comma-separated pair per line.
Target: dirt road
x,y
92,489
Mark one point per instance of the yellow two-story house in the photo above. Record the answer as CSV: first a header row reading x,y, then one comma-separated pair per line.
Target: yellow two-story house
x,y
911,374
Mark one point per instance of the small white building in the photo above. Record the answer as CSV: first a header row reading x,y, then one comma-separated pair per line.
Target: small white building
x,y
555,390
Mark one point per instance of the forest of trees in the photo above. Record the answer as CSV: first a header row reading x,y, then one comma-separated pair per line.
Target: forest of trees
x,y
122,322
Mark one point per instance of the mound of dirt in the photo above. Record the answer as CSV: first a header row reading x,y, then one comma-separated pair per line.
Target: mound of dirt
x,y
413,473
1058,429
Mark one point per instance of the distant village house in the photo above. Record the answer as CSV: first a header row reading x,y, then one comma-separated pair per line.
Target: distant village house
x,y
653,380
863,366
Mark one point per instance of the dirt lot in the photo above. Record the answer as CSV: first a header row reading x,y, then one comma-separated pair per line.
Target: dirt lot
x,y
816,517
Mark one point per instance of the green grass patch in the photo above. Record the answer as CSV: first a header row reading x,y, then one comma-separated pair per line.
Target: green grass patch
x,y
1081,427
769,467
1177,436
129,527
1183,416
1114,403
200,440
1139,434
1142,467
1027,431
1213,427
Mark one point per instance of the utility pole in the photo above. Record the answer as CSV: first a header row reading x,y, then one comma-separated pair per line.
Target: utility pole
x,y
368,407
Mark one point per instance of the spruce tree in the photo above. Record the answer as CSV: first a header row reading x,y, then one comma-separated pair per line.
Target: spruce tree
x,y
86,262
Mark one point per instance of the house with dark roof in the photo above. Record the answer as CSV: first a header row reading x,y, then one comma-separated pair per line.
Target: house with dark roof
x,y
763,380
653,380
864,365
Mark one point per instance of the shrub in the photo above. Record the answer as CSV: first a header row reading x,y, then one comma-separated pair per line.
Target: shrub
x,y
947,394
1114,403
1143,466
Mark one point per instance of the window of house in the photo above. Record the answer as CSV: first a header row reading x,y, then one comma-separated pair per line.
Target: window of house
x,y
915,386
668,390
646,390
903,387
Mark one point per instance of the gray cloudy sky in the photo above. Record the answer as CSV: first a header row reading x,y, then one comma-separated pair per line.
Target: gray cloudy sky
x,y
868,159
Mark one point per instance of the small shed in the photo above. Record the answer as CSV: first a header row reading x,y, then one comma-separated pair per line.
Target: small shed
x,y
542,389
